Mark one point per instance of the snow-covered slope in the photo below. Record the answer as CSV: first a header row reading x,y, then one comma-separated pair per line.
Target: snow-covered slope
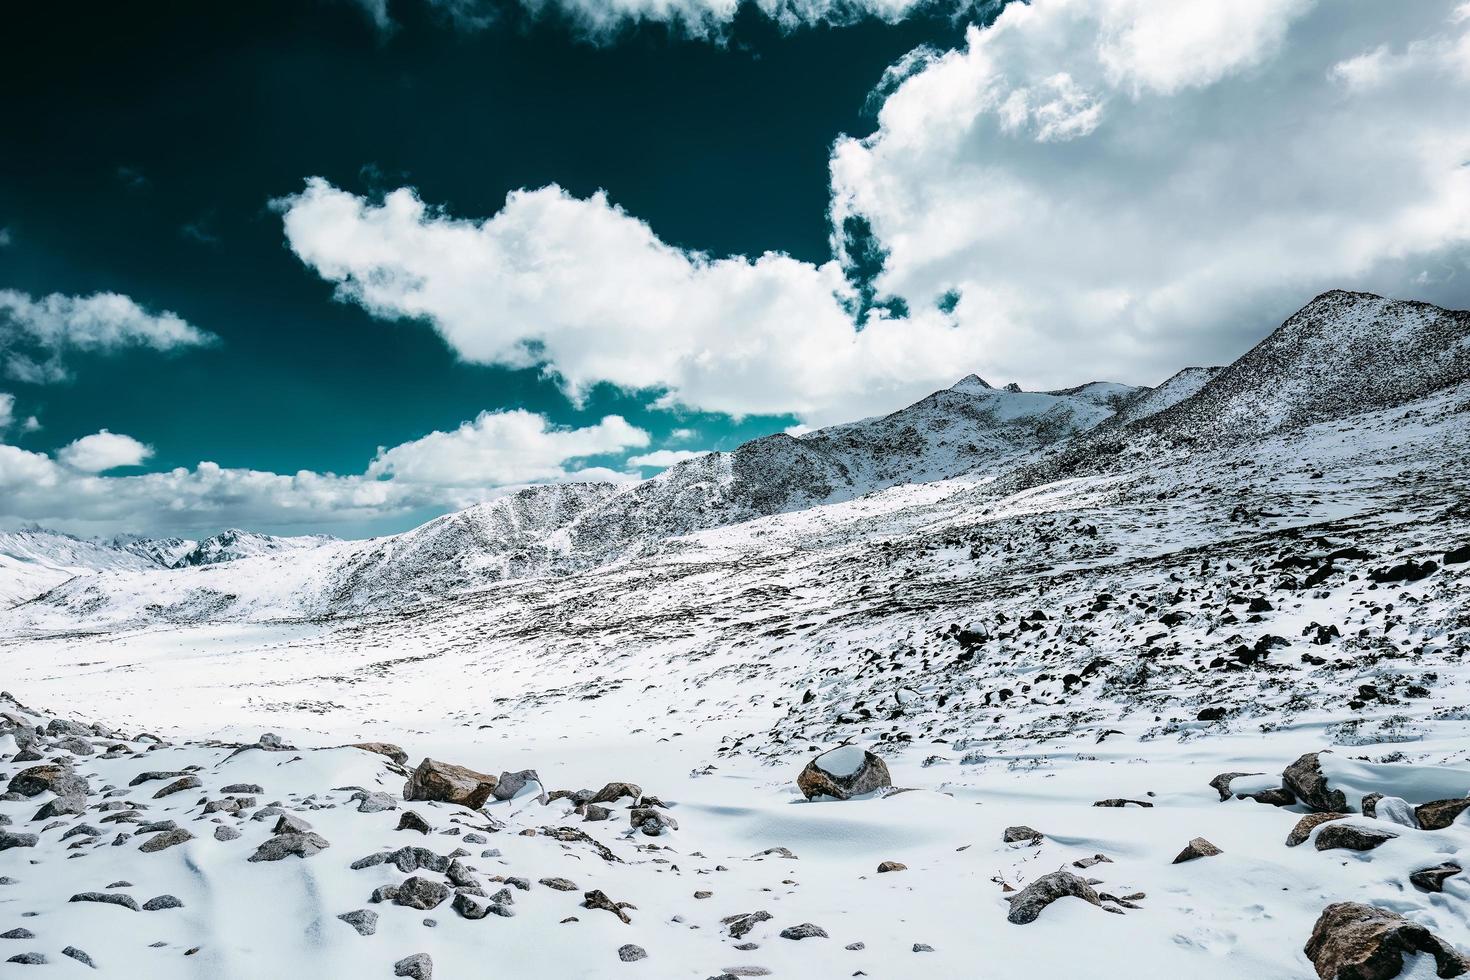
x,y
161,551
34,560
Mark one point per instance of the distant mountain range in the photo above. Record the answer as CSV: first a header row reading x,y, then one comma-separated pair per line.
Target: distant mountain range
x,y
1341,354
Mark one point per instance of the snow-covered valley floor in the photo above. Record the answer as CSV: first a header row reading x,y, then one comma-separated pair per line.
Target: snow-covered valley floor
x,y
1014,656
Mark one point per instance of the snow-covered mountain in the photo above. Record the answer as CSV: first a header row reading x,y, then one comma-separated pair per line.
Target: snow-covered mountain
x,y
161,551
33,560
234,544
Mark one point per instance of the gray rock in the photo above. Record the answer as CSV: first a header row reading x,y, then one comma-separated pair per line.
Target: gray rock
x,y
291,824
79,955
284,845
613,792
1028,903
448,783
178,786
167,839
412,821
842,774
1195,849
421,893
804,931
559,884
923,948
160,902
416,967
18,933
107,898
148,777
9,840
1309,823
248,789
511,783
594,812
57,779
224,832
597,899
1022,834
365,921
374,802
28,959
629,953
1433,879
651,821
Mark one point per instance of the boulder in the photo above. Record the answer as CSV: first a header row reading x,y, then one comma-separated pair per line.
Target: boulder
x,y
421,893
1305,778
410,820
1309,823
416,967
513,784
887,867
282,846
1195,849
1221,783
1440,814
613,792
740,925
630,953
1352,837
597,899
160,902
165,840
385,749
444,782
1027,904
365,921
806,930
9,840
1021,834
178,786
1433,879
36,780
842,773
651,821
1351,941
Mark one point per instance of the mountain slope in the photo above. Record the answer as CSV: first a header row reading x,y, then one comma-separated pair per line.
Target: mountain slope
x,y
234,544
35,560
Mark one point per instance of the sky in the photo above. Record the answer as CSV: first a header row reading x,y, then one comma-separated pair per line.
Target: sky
x,y
339,266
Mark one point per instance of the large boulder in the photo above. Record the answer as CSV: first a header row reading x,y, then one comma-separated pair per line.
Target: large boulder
x,y
1026,904
60,780
1351,837
1439,814
1305,778
1362,942
445,782
513,784
842,773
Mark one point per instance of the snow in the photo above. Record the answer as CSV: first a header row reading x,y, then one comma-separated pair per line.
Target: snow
x,y
843,761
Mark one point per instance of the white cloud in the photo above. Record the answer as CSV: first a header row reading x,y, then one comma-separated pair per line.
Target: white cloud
x,y
104,451
595,296
661,458
494,454
498,448
7,410
1118,188
49,327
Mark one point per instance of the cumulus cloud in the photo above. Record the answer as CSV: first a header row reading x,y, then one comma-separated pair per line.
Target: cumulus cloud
x,y
482,459
1121,187
592,294
661,458
35,334
104,451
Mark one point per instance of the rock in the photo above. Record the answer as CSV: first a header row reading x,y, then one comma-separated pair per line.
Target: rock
x,y
28,959
804,931
1406,571
512,784
247,789
1088,862
1022,834
365,921
374,802
1027,904
416,967
167,839
224,832
1433,879
1119,802
284,845
1309,823
444,782
923,948
55,778
161,902
107,898
1440,814
613,792
1305,778
79,955
628,953
18,933
1197,848
1351,941
383,748
740,925
1351,837
421,893
842,773
652,822
289,823
888,866
597,899
9,840
1457,556
410,820
178,786
1221,783
856,946
594,812
559,884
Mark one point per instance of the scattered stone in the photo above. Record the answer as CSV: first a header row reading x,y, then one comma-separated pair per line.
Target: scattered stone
x,y
410,820
1221,783
107,898
511,784
421,893
1088,862
28,959
79,955
1022,834
1351,941
1027,904
1120,802
597,899
613,792
1197,848
374,802
416,967
161,902
842,773
1305,778
629,953
365,921
804,931
178,786
289,823
281,846
1351,837
9,840
18,933
559,884
247,789
1309,823
888,866
447,783
740,925
58,779
168,838
1433,879
923,948
224,832
1439,814
383,748
651,821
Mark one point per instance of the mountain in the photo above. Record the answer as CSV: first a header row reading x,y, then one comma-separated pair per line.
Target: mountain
x,y
34,560
165,552
234,544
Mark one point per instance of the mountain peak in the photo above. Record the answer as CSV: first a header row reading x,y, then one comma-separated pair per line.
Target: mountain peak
x,y
971,382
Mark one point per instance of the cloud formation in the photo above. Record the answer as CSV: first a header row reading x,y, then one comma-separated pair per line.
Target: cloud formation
x,y
495,453
35,334
663,458
103,451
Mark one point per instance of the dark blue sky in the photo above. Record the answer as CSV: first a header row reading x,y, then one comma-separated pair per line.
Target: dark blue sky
x,y
145,142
